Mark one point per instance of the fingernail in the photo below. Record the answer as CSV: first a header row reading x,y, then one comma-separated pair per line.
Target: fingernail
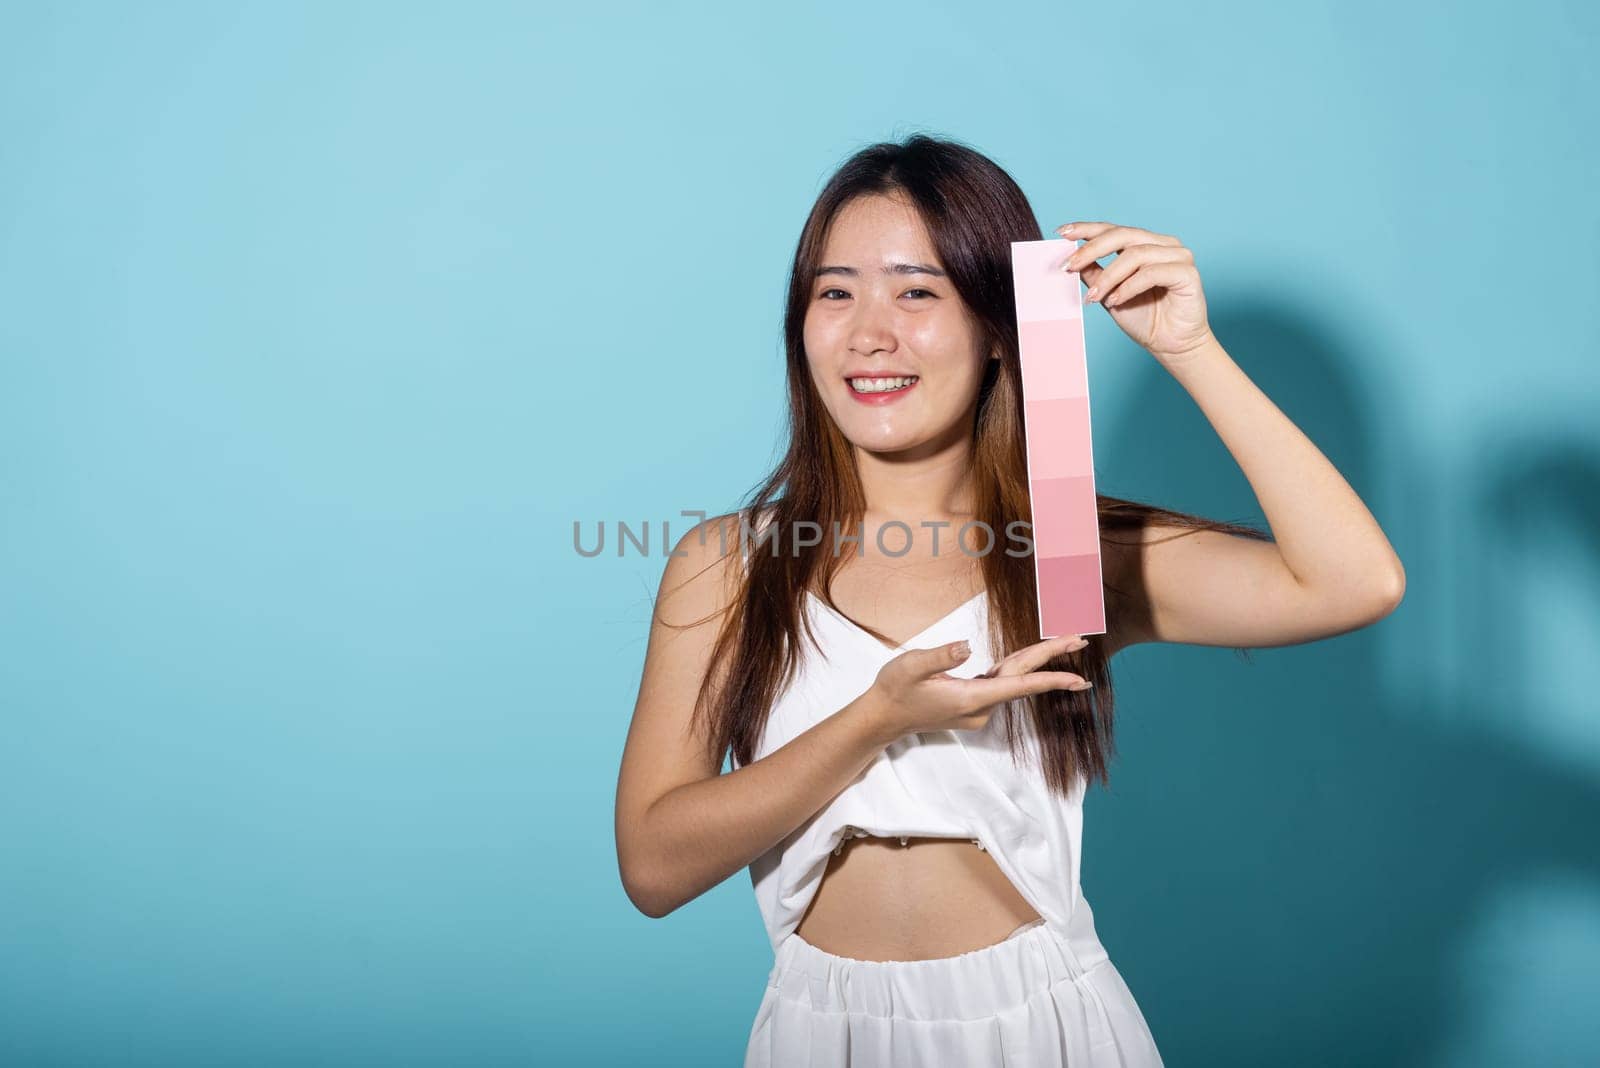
x,y
1087,685
963,649
1064,230
1093,292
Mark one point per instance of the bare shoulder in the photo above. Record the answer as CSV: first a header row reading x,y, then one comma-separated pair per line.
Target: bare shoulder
x,y
703,573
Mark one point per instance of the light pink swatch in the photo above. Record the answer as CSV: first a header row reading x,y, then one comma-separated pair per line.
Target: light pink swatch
x,y
1055,400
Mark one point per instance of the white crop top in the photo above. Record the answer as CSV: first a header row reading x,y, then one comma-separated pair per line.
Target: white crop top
x,y
945,784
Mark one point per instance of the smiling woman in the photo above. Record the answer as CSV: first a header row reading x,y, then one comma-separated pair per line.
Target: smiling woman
x,y
910,809
891,346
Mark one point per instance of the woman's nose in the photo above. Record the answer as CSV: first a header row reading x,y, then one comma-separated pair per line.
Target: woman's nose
x,y
872,330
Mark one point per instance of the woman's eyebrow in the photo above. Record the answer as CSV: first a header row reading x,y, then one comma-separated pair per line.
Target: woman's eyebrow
x,y
888,268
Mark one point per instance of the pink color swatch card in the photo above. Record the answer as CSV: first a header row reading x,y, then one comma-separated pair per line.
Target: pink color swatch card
x,y
1055,397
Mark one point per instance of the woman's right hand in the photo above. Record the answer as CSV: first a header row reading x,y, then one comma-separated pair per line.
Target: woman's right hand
x,y
913,692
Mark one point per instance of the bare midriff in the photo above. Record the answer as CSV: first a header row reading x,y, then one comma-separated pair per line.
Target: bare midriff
x,y
930,898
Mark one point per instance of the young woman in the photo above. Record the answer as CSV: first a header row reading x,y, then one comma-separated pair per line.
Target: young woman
x,y
908,759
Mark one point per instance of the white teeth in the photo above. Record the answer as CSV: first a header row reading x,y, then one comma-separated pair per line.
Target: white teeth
x,y
880,385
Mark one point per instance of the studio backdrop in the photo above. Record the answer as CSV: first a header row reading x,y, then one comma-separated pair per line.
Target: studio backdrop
x,y
329,332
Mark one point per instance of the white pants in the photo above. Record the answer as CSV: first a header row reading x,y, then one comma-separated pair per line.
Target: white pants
x,y
1026,1000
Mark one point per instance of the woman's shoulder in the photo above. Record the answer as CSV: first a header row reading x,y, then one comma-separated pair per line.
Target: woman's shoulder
x,y
703,569
721,546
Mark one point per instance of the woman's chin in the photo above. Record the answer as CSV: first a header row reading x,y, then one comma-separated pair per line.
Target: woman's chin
x,y
894,447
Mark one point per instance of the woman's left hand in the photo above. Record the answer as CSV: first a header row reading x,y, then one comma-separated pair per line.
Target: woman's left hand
x,y
1151,290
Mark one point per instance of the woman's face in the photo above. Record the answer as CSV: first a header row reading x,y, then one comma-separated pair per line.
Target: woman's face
x,y
881,312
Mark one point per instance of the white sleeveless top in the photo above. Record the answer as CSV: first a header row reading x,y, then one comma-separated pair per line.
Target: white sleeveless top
x,y
944,783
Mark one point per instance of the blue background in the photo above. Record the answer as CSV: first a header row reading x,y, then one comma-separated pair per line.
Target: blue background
x,y
321,324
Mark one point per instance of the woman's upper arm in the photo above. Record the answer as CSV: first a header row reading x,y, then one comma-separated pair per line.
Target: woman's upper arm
x,y
661,754
1208,587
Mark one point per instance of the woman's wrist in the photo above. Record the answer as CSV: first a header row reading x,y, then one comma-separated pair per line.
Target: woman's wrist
x,y
871,714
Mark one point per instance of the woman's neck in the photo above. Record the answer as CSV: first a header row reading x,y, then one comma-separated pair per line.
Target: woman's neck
x,y
913,490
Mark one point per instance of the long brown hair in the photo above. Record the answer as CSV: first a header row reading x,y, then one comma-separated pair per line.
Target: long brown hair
x,y
973,211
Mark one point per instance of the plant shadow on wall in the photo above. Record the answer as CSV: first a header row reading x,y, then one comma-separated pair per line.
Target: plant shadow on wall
x,y
1289,859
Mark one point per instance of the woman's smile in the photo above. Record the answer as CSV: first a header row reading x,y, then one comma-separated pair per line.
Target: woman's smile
x,y
881,389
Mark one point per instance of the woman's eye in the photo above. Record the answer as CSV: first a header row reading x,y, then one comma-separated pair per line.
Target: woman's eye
x,y
926,292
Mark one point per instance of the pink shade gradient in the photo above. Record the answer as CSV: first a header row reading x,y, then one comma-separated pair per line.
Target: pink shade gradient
x,y
1044,290
1070,596
1052,359
1055,395
1065,521
1059,442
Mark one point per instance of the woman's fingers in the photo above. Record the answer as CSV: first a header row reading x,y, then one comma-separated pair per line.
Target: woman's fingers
x,y
1149,276
934,660
1038,654
982,692
1017,668
1103,239
1143,259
